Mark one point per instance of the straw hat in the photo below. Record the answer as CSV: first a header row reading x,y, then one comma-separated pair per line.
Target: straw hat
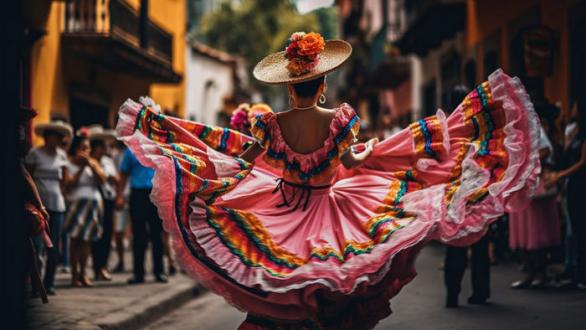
x,y
97,132
55,126
273,68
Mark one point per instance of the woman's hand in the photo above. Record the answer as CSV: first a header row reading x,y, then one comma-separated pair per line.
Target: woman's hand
x,y
350,159
94,163
44,212
82,160
97,170
370,145
550,179
252,152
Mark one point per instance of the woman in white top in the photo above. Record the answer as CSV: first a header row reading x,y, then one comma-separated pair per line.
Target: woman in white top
x,y
47,165
83,221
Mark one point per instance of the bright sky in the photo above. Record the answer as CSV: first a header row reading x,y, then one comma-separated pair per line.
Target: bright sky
x,y
305,6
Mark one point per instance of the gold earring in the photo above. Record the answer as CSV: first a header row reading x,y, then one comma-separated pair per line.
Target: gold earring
x,y
322,98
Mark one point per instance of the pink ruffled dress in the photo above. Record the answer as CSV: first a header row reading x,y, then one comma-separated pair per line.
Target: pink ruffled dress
x,y
299,238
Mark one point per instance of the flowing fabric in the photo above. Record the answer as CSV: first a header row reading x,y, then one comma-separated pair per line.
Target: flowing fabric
x,y
298,237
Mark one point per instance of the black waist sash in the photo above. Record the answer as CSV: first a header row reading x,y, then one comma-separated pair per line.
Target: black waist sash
x,y
305,193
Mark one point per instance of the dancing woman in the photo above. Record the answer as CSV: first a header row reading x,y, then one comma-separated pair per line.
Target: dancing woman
x,y
306,229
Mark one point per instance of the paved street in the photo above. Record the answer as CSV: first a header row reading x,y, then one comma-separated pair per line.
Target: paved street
x,y
420,306
108,305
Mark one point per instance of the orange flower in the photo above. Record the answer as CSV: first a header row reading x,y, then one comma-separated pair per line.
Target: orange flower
x,y
312,44
295,67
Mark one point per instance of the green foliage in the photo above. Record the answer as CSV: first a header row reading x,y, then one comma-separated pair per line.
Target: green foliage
x,y
255,28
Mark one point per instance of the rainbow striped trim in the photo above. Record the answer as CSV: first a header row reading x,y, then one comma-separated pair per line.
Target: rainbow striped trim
x,y
292,170
184,155
245,236
427,137
488,137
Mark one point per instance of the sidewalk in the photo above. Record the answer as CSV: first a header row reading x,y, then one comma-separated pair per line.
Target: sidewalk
x,y
110,305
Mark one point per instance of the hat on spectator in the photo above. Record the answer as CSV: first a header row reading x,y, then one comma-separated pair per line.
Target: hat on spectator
x,y
58,126
97,132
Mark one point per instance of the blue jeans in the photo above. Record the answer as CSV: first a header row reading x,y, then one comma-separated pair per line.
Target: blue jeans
x,y
53,254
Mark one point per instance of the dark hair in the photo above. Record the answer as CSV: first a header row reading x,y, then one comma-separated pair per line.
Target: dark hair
x,y
309,88
77,141
97,143
49,132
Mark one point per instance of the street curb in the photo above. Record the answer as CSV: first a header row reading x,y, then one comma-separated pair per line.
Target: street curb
x,y
149,309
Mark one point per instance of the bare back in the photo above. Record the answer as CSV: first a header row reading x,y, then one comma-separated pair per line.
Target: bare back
x,y
305,131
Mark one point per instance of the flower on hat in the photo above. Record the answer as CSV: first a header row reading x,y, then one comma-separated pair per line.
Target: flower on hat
x,y
239,119
83,132
303,52
311,44
296,36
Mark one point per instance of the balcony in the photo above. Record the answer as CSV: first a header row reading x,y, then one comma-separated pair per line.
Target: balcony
x,y
429,22
112,34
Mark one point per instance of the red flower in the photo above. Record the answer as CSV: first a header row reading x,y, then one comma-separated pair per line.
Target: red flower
x,y
292,50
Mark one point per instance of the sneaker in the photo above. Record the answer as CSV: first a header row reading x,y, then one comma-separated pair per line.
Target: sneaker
x,y
51,291
521,284
161,278
539,282
563,284
474,300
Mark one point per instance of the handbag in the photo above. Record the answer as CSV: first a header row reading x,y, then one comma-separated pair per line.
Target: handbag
x,y
36,223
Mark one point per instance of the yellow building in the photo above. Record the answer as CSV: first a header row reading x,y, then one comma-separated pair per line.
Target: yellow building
x,y
93,54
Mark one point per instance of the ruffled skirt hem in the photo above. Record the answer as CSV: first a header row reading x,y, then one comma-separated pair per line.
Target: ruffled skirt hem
x,y
449,184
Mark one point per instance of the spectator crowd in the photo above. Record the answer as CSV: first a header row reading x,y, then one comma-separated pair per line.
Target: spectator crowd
x,y
90,189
